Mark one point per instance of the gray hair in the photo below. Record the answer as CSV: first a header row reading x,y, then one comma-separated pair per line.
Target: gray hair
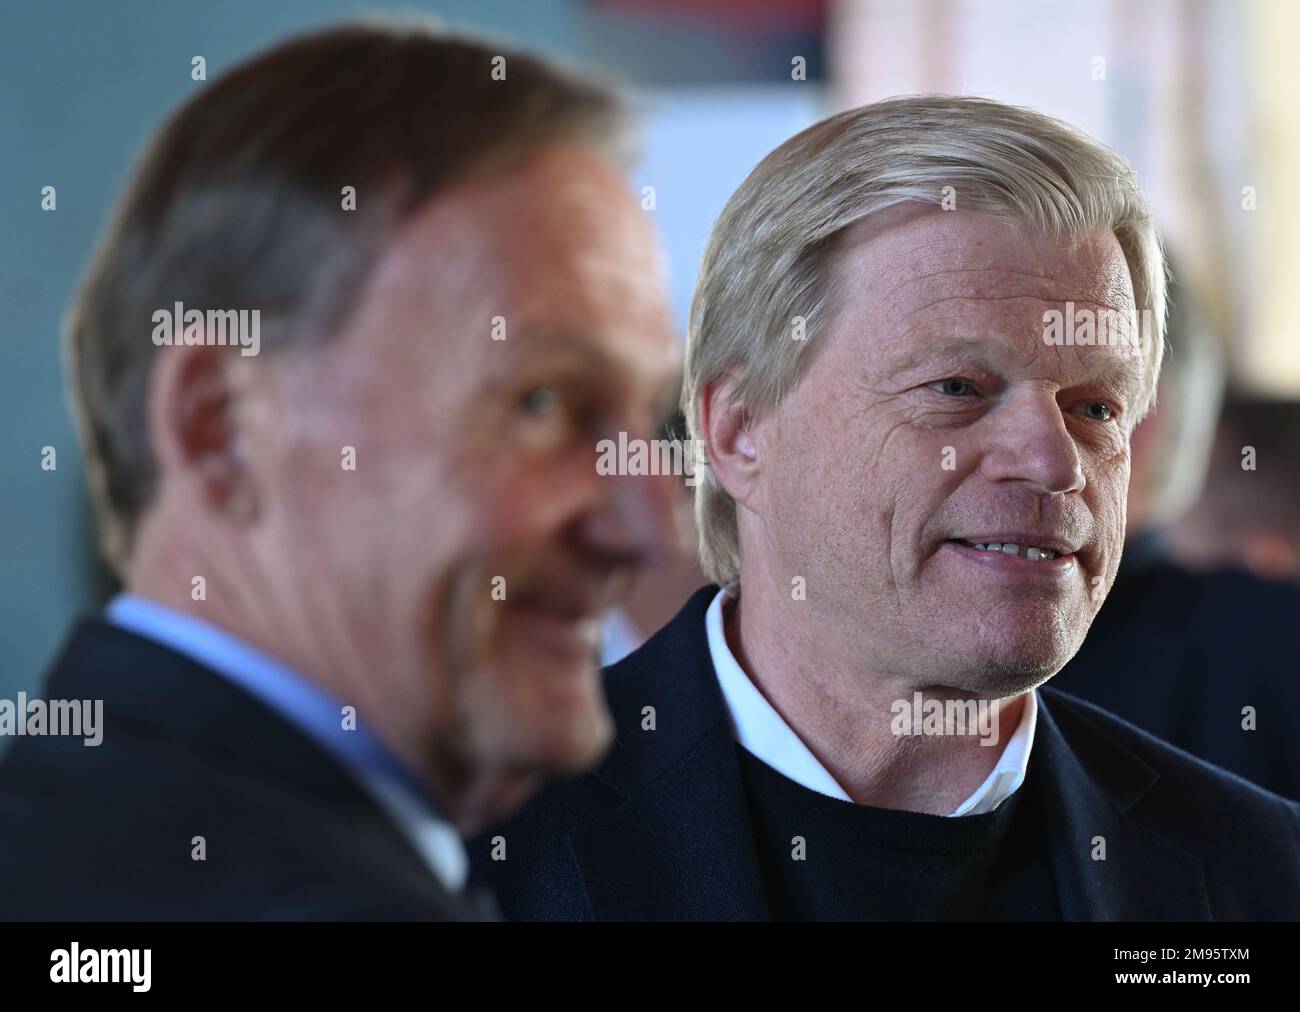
x,y
770,256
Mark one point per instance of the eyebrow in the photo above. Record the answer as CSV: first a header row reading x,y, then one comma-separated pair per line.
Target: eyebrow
x,y
570,351
581,356
1126,370
942,348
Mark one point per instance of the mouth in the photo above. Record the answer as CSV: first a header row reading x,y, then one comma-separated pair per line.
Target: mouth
x,y
1019,551
558,624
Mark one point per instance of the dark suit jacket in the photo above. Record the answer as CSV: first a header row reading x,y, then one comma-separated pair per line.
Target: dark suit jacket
x,y
1179,653
661,829
104,833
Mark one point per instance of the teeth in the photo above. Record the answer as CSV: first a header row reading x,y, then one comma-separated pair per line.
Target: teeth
x,y
1031,552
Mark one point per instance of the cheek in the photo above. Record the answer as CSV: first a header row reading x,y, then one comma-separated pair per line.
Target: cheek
x,y
427,508
1105,495
916,474
485,499
807,492
535,500
1110,502
827,515
516,514
837,482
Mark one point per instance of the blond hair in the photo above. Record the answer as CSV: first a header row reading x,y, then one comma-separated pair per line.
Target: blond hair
x,y
770,256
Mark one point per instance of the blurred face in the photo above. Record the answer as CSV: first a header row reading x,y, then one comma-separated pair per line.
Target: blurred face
x,y
935,421
461,569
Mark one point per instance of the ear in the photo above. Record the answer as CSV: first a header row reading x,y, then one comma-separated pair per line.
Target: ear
x,y
193,430
729,438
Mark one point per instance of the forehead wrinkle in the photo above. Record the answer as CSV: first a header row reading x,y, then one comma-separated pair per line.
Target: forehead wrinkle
x,y
917,321
915,311
1101,289
990,346
972,298
934,257
957,271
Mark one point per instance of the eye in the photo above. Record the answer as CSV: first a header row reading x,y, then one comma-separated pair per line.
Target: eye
x,y
954,387
1105,414
539,401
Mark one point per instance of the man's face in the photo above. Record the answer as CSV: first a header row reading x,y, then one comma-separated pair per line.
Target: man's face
x,y
464,564
935,417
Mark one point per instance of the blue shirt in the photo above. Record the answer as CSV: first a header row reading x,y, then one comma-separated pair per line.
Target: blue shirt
x,y
317,714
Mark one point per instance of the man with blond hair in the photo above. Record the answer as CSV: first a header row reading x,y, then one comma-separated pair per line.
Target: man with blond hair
x,y
918,444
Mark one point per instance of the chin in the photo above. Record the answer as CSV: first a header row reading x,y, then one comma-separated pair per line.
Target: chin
x,y
564,744
1009,672
1001,667
1021,647
559,722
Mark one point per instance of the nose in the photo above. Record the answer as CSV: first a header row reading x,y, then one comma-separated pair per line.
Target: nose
x,y
639,522
1030,443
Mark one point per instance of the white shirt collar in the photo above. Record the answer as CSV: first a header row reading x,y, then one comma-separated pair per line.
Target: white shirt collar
x,y
763,732
436,840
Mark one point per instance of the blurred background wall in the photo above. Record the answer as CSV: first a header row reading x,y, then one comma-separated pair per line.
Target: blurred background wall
x,y
1200,94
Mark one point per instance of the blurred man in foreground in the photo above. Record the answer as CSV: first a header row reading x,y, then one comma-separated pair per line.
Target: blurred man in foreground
x,y
918,466
365,549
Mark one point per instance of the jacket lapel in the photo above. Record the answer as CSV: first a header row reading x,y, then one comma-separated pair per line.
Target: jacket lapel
x,y
689,838
183,705
678,844
1089,783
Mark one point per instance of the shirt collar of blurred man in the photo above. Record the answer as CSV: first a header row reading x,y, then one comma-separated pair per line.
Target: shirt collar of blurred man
x,y
327,720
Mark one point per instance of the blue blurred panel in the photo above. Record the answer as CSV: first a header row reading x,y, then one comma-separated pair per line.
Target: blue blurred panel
x,y
700,145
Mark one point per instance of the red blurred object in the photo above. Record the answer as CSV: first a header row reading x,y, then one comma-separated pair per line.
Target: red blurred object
x,y
762,16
